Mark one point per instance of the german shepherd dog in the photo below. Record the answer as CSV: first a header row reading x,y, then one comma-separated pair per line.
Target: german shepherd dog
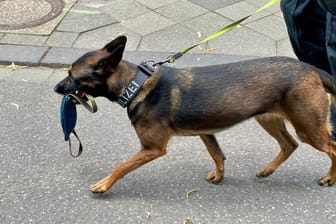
x,y
205,100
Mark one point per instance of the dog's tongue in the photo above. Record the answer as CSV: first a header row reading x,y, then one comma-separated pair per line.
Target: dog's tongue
x,y
80,94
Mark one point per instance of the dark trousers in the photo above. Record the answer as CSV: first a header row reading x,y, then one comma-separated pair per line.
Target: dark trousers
x,y
312,32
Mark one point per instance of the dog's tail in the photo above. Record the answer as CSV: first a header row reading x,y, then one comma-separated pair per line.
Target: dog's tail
x,y
328,81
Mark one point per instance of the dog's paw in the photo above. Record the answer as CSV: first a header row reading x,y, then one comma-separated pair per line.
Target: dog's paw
x,y
101,186
264,172
215,177
327,180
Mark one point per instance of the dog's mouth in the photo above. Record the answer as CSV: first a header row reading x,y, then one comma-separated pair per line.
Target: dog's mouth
x,y
79,94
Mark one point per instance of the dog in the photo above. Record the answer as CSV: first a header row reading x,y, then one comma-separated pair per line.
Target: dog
x,y
204,100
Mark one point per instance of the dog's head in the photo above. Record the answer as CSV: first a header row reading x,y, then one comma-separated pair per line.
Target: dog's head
x,y
92,71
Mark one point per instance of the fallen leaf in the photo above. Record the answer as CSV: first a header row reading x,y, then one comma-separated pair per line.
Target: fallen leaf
x,y
15,105
13,66
189,192
188,221
209,50
148,215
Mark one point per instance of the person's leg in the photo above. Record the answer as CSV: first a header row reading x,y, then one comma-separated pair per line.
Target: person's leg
x,y
331,42
331,51
306,26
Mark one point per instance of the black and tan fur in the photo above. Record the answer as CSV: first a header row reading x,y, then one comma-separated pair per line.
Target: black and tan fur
x,y
202,101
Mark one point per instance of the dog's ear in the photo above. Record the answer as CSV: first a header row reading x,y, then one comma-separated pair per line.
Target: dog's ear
x,y
115,50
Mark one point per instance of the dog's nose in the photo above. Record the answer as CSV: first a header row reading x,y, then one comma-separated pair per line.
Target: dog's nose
x,y
59,89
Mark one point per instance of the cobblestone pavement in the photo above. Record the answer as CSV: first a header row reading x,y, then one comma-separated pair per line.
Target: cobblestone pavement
x,y
54,32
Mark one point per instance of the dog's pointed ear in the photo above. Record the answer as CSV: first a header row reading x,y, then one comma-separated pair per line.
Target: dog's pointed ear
x,y
115,50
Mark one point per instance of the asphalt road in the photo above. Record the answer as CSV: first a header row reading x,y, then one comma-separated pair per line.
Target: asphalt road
x,y
41,183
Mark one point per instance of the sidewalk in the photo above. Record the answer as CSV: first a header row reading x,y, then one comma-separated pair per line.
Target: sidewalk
x,y
41,183
55,33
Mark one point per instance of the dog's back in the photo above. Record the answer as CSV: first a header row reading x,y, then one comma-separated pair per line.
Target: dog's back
x,y
235,91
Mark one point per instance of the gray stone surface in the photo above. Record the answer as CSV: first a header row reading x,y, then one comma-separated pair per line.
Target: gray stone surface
x,y
75,21
284,48
240,41
240,10
98,38
160,26
125,9
271,26
61,39
29,55
23,39
62,57
214,4
143,24
206,24
171,39
154,4
181,10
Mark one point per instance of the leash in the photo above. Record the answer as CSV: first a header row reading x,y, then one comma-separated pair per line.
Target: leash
x,y
69,116
173,57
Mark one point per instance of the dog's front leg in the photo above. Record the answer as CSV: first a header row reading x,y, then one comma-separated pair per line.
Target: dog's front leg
x,y
140,158
217,155
154,139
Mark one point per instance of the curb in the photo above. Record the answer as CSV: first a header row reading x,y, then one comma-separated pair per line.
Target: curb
x,y
56,57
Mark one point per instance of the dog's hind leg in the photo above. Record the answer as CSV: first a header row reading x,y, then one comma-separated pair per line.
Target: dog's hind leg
x,y
217,155
318,135
310,116
275,126
330,178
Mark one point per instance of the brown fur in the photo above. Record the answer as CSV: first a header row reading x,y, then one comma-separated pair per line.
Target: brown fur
x,y
202,101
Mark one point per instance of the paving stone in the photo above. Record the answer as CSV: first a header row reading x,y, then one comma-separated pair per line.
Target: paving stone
x,y
61,39
147,23
23,39
284,48
259,3
99,37
125,9
214,4
170,39
181,11
79,22
242,41
154,4
206,24
240,10
94,4
29,55
62,57
272,26
31,75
